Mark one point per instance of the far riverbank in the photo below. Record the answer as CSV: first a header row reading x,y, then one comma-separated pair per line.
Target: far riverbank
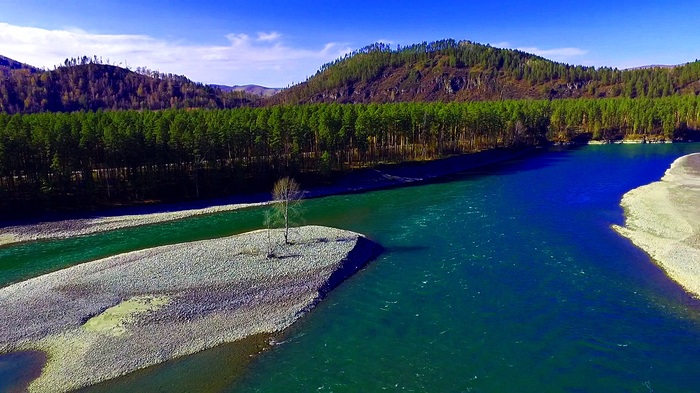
x,y
385,176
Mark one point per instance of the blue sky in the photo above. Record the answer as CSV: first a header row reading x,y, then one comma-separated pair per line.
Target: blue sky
x,y
278,43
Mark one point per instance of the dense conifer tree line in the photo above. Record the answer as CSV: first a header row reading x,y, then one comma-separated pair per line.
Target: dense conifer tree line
x,y
50,160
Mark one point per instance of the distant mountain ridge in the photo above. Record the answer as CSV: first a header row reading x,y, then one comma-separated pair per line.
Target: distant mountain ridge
x,y
251,89
652,66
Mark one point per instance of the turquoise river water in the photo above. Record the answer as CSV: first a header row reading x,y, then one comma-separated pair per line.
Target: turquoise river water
x,y
506,279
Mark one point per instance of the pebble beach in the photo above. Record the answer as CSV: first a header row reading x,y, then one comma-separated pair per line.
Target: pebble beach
x,y
109,317
663,219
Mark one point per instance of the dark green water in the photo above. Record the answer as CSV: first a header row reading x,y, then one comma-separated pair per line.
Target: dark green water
x,y
506,280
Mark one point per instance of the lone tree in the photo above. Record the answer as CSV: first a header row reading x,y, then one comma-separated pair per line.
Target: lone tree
x,y
286,197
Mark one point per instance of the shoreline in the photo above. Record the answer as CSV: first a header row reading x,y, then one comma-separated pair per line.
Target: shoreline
x,y
233,360
139,309
369,179
663,220
21,368
88,226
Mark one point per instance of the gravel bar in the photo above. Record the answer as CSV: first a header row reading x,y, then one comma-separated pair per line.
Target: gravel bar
x,y
663,219
106,318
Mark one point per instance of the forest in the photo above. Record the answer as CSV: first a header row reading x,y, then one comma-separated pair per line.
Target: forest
x,y
52,161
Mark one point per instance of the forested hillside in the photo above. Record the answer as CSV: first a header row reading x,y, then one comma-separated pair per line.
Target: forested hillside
x,y
465,71
444,71
86,84
54,160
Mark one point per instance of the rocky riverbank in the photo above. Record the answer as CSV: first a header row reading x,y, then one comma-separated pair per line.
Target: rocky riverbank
x,y
663,219
106,318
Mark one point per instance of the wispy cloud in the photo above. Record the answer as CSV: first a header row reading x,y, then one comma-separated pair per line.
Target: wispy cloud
x,y
502,44
557,54
264,59
271,36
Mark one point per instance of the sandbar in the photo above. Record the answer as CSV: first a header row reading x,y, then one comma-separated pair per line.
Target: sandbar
x,y
663,219
106,318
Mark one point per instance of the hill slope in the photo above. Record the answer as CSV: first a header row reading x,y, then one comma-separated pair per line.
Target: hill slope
x,y
83,84
465,71
7,64
445,71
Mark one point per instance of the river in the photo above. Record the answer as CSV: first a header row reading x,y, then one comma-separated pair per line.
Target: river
x,y
508,278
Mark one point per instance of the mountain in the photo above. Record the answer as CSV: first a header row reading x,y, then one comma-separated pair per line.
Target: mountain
x,y
652,66
86,84
452,70
444,71
251,89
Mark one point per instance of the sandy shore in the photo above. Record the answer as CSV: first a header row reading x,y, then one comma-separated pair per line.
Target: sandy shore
x,y
106,318
663,219
369,179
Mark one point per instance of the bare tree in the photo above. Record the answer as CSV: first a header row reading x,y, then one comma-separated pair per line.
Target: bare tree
x,y
286,197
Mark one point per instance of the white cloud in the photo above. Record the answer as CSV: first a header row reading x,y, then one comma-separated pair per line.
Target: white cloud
x,y
264,60
557,54
271,36
502,44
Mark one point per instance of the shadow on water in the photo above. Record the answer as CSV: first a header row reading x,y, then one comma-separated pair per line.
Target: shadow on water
x,y
545,157
446,170
19,369
531,160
